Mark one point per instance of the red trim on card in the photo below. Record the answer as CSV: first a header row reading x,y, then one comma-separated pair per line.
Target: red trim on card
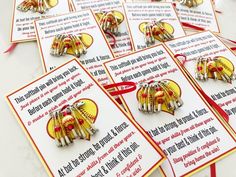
x,y
229,40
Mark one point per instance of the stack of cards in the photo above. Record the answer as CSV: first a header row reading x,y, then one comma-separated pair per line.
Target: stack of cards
x,y
172,121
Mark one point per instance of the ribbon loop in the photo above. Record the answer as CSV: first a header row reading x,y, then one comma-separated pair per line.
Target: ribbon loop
x,y
131,87
183,60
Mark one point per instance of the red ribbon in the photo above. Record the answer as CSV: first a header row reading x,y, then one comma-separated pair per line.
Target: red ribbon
x,y
215,105
182,61
213,170
233,48
118,100
11,48
234,42
113,38
131,85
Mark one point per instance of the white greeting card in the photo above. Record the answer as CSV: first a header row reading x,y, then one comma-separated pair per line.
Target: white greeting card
x,y
206,44
82,24
202,15
122,45
139,14
23,21
119,147
192,136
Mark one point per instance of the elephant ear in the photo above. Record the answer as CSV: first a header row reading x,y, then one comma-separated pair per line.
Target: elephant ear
x,y
87,40
51,3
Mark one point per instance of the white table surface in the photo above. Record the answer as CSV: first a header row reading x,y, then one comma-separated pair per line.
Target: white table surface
x,y
17,157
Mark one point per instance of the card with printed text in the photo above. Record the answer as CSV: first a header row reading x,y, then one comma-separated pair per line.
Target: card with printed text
x,y
110,7
24,14
152,23
208,46
200,14
95,137
78,28
171,109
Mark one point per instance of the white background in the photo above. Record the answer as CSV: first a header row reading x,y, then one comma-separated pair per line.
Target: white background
x,y
24,64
